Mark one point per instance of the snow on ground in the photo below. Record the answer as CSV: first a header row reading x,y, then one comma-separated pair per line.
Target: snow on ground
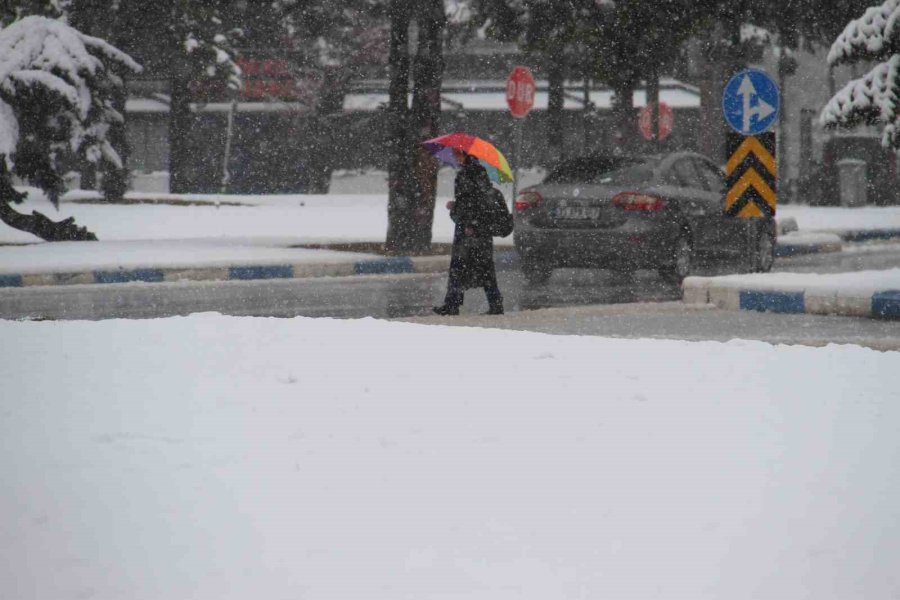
x,y
835,218
75,257
218,457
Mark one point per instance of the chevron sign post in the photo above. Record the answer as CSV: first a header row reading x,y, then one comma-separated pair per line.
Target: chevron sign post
x,y
751,175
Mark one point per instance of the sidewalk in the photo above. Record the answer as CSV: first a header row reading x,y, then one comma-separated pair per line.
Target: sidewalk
x,y
163,237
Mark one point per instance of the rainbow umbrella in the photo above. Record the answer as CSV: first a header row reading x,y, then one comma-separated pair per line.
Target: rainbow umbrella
x,y
490,158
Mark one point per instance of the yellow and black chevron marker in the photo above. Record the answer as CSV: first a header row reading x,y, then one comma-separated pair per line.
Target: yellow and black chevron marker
x,y
751,175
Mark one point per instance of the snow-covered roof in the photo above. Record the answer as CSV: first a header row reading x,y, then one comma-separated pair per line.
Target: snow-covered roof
x,y
491,95
474,95
601,99
153,105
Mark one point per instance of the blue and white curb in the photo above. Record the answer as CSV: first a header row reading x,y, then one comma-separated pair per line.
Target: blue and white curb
x,y
817,301
505,260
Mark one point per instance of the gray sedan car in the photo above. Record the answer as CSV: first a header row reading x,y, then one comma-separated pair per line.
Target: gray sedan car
x,y
663,212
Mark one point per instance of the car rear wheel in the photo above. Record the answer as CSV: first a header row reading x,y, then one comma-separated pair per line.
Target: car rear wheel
x,y
681,262
536,272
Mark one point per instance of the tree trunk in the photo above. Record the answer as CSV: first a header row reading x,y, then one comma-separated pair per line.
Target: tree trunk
x,y
35,223
555,101
428,72
736,61
179,131
623,115
401,183
115,179
652,100
320,157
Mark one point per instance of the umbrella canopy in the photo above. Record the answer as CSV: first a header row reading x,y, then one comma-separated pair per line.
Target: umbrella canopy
x,y
490,158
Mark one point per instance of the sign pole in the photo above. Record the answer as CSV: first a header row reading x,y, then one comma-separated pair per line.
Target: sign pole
x,y
517,154
520,89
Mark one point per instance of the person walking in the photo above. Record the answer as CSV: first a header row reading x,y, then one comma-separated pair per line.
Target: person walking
x,y
472,258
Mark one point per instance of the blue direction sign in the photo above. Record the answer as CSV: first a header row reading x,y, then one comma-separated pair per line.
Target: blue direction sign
x,y
750,102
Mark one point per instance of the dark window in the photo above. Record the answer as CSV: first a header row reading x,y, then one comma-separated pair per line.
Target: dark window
x,y
604,170
685,174
711,177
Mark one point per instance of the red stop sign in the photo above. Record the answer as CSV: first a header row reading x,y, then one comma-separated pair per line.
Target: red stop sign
x,y
520,91
666,121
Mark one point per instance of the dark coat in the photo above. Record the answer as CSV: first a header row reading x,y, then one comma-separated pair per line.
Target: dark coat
x,y
472,261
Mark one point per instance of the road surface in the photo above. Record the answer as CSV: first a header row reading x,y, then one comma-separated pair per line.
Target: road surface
x,y
579,301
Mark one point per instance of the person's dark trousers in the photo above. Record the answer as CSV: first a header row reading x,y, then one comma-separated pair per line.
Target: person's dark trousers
x,y
455,295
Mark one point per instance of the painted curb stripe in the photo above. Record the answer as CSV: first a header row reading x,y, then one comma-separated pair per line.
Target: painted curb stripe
x,y
507,259
399,264
504,260
863,235
779,302
261,272
786,250
149,275
886,304
10,281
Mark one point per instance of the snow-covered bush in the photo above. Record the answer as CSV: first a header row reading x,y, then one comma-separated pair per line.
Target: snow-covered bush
x,y
56,99
874,97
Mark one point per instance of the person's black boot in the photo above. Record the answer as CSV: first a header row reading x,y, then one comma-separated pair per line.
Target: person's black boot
x,y
446,310
494,298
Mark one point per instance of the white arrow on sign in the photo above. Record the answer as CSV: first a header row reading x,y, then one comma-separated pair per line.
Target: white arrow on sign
x,y
761,110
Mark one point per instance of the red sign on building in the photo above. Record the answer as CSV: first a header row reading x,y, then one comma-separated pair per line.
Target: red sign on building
x,y
520,91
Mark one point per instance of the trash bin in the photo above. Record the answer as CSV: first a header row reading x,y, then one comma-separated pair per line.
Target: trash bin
x,y
852,176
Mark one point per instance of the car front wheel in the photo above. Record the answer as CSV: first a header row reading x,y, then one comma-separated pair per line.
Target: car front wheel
x,y
681,261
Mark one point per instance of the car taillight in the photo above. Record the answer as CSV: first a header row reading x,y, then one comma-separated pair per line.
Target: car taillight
x,y
528,200
638,201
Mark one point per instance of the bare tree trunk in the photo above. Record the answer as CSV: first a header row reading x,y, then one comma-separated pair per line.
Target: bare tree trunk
x,y
35,223
401,183
428,72
623,115
320,159
652,100
555,102
115,179
179,132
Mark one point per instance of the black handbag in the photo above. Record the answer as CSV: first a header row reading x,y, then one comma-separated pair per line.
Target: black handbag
x,y
501,220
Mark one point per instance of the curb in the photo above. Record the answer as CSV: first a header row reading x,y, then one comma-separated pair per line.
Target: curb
x,y
865,235
884,304
505,260
796,244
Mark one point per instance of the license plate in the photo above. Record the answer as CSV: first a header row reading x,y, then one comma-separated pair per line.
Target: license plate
x,y
578,213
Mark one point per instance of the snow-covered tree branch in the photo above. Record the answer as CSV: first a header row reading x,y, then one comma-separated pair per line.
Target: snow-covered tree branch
x,y
56,101
872,98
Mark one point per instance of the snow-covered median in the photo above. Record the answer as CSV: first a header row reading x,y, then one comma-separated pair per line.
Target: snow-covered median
x,y
216,457
857,293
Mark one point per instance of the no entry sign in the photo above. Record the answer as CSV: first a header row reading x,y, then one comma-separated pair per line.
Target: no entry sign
x,y
520,91
666,121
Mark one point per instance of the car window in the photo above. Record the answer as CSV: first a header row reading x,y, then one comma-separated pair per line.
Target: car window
x,y
604,170
711,177
685,174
